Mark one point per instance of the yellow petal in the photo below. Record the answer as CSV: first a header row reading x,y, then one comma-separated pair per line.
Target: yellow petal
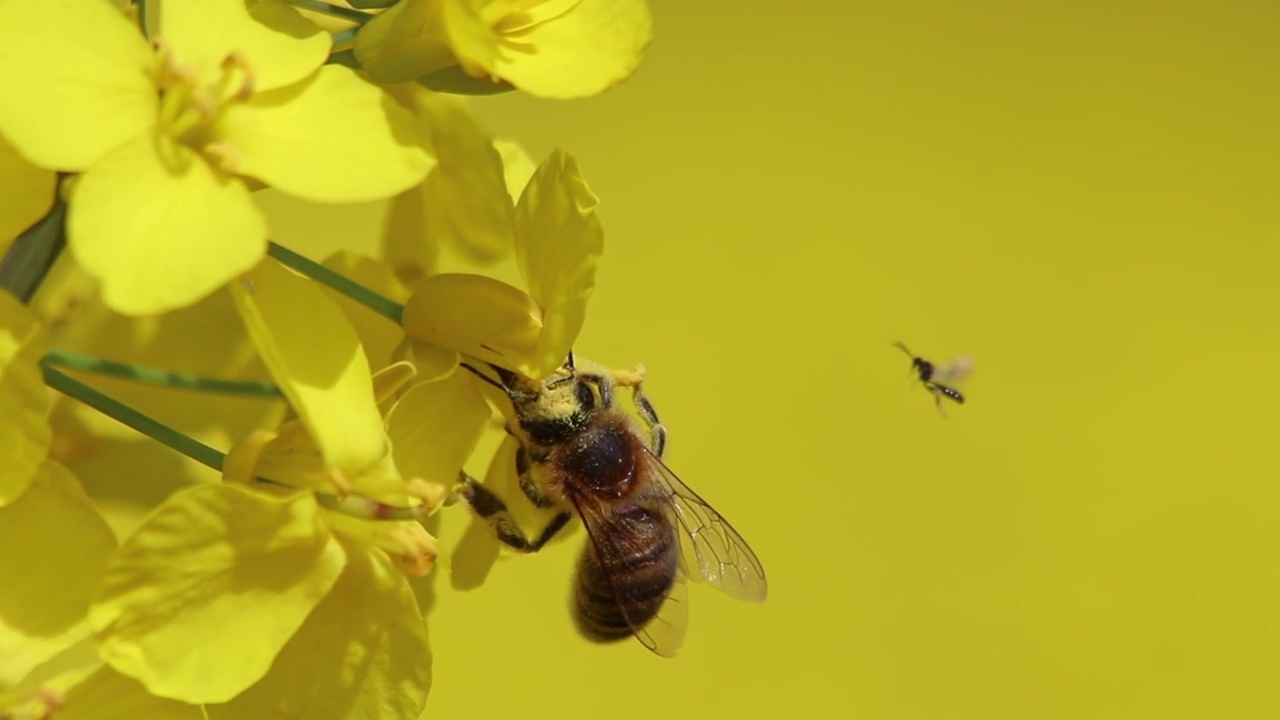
x,y
54,547
559,241
200,600
435,427
362,653
161,232
477,315
333,138
76,81
25,435
280,47
580,53
465,198
473,40
107,694
412,253
378,337
307,343
29,193
404,42
518,167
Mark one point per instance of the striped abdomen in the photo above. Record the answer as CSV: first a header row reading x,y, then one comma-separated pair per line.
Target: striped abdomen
x,y
626,576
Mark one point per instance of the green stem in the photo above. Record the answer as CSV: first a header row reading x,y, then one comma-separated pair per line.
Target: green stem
x,y
383,306
333,10
160,378
144,424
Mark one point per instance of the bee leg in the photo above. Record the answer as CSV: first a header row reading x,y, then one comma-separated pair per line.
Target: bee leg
x,y
650,416
527,485
490,508
632,379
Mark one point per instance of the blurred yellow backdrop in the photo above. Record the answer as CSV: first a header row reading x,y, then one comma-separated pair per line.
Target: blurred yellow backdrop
x,y
1080,195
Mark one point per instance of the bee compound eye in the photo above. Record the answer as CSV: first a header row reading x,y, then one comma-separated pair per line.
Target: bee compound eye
x,y
586,398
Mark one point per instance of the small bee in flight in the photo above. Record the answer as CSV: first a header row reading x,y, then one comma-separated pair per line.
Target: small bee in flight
x,y
938,379
580,453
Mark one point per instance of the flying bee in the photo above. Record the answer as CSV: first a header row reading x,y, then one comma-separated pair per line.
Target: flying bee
x,y
582,454
939,379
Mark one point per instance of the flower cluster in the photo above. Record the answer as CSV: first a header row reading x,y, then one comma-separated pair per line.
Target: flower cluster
x,y
224,510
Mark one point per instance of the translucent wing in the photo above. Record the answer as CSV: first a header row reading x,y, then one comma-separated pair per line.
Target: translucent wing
x,y
664,632
709,544
953,371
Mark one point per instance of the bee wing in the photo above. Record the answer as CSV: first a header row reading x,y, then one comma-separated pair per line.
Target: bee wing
x,y
664,633
954,370
708,542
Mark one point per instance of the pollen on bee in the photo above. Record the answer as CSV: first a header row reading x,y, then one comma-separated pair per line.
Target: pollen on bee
x,y
631,377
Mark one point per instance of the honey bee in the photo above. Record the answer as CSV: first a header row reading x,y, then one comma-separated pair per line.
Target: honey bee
x,y
938,379
580,453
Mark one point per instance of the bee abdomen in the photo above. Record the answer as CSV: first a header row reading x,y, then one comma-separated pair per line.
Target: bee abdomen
x,y
630,584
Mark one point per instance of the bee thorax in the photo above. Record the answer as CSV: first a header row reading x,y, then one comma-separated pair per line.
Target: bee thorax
x,y
600,462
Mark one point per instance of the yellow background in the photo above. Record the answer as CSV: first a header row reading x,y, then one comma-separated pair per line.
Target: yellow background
x,y
1080,195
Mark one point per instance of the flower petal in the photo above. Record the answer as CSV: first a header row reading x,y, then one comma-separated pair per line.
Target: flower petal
x,y
583,52
107,694
435,426
378,337
25,435
518,167
404,42
412,253
279,46
54,548
559,241
216,572
465,197
161,232
474,41
477,315
314,354
362,653
29,193
76,81
375,152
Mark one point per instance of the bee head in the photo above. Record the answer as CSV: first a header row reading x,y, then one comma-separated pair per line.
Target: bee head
x,y
550,410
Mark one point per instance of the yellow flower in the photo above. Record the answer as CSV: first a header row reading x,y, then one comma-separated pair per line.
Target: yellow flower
x,y
467,201
28,190
53,550
168,138
25,436
256,594
205,339
558,243
557,49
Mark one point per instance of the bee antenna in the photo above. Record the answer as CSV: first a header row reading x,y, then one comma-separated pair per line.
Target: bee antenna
x,y
484,377
569,363
904,349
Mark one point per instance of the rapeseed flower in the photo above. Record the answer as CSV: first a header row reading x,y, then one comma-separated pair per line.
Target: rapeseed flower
x,y
29,193
467,201
558,242
170,135
54,544
558,49
267,596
